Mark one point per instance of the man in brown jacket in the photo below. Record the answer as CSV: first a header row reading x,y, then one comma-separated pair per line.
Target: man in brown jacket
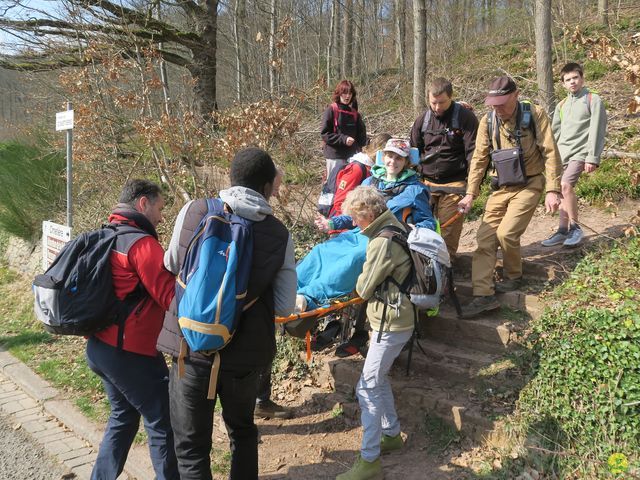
x,y
509,208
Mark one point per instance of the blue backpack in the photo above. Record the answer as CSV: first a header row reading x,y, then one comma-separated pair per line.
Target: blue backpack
x,y
211,287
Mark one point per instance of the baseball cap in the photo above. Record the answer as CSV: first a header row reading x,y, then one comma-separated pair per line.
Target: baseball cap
x,y
399,146
499,89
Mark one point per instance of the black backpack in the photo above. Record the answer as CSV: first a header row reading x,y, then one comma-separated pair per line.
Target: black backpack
x,y
75,296
429,280
525,119
455,121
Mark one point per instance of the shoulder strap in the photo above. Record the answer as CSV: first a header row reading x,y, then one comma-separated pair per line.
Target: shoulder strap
x,y
363,170
560,105
391,231
400,236
494,130
525,115
215,206
528,120
455,119
425,121
334,109
588,99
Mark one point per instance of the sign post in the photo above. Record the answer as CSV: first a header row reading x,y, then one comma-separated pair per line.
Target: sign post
x,y
64,121
54,237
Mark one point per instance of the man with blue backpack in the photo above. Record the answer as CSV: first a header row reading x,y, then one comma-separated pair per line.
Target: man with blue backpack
x,y
135,376
236,271
516,138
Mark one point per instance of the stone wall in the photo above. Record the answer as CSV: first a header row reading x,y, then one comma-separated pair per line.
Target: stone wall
x,y
24,257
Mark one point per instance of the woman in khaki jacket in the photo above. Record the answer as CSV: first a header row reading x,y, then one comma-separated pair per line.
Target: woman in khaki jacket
x,y
384,258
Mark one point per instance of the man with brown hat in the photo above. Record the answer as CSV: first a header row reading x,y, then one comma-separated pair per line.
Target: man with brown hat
x,y
517,138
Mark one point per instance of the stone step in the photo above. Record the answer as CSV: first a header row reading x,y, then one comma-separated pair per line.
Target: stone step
x,y
483,334
456,366
449,365
515,299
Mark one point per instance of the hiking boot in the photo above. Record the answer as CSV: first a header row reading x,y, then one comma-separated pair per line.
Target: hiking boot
x,y
363,470
557,238
574,237
508,285
390,444
480,305
270,409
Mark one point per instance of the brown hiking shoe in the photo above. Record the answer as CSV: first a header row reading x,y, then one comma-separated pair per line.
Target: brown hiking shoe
x,y
508,285
480,305
270,409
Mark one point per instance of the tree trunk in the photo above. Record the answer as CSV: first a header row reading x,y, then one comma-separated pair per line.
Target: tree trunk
x,y
319,46
377,35
240,40
358,32
273,72
347,45
603,12
399,10
203,68
543,54
419,54
164,77
332,29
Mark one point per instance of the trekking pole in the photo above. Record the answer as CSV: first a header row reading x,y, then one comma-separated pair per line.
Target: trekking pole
x,y
456,216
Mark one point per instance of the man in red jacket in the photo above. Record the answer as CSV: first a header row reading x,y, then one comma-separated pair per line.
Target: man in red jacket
x,y
134,374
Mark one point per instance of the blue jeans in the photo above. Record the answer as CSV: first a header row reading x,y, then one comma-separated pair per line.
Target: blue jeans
x,y
192,420
378,411
136,385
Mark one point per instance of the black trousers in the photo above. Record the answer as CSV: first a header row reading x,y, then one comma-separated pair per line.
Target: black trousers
x,y
192,420
264,385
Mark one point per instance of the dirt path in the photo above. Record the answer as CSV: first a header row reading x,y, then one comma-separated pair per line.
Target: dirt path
x,y
321,441
597,223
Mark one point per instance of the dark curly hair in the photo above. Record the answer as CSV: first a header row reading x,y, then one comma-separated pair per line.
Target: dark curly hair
x,y
252,168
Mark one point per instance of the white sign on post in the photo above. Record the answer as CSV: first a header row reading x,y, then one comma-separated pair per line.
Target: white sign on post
x,y
54,237
64,120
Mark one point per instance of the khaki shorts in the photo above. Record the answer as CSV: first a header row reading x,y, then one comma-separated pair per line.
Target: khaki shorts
x,y
572,172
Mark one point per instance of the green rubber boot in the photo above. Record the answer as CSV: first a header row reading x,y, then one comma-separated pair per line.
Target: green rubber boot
x,y
390,444
363,470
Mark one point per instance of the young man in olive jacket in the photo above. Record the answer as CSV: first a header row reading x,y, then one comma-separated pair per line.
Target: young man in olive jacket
x,y
271,291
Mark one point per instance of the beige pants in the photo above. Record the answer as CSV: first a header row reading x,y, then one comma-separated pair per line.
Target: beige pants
x,y
445,206
507,214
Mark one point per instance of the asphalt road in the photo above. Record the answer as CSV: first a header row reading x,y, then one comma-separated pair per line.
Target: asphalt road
x,y
22,458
